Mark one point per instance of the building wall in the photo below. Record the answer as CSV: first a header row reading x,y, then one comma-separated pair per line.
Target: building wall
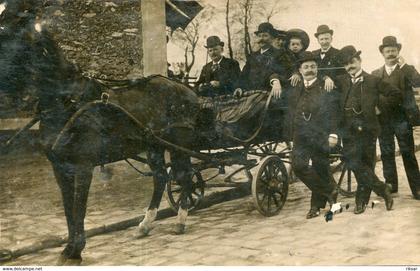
x,y
102,37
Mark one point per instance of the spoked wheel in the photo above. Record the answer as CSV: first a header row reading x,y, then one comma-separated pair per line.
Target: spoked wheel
x,y
270,186
267,148
347,184
173,192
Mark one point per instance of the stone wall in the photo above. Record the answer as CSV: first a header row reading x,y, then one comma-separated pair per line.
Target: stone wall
x,y
102,37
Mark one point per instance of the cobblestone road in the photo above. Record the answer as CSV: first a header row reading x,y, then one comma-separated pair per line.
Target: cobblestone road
x,y
234,233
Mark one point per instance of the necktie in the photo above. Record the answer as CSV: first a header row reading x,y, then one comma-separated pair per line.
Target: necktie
x,y
355,80
215,67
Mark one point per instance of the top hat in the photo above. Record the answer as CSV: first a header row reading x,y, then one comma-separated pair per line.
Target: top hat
x,y
300,34
347,53
322,29
389,41
213,41
266,28
305,56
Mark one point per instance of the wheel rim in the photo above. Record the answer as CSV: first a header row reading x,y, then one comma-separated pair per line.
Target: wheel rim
x,y
173,192
270,187
346,183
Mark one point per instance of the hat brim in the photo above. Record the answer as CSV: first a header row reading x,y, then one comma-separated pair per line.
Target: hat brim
x,y
382,46
319,33
303,60
301,34
271,32
349,58
214,45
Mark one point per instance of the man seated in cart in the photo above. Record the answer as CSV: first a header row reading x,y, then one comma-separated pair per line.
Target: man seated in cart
x,y
313,118
267,69
219,75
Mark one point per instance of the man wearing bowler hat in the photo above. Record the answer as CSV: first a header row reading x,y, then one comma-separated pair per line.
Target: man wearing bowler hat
x,y
268,68
363,97
218,76
399,121
313,116
279,39
327,56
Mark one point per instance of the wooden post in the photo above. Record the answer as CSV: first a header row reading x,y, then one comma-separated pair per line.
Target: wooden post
x,y
153,19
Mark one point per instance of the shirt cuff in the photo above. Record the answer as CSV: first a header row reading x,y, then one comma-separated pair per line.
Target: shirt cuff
x,y
333,135
273,80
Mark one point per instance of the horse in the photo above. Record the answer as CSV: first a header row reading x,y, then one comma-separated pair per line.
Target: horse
x,y
78,133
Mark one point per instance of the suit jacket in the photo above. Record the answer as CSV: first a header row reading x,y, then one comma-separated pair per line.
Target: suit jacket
x,y
227,74
324,114
408,77
329,65
375,93
260,69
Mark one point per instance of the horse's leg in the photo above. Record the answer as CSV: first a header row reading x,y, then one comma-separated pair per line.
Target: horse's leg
x,y
156,159
64,176
182,171
82,181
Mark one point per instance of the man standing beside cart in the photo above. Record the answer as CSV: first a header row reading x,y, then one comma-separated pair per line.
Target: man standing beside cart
x,y
313,116
363,97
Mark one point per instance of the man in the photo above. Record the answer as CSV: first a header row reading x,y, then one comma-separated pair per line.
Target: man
x,y
399,121
313,114
266,69
279,39
218,76
327,56
363,97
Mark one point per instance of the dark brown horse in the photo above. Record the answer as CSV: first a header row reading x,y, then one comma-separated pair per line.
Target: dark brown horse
x,y
96,133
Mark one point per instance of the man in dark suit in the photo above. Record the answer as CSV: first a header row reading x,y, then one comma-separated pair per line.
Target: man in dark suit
x,y
218,76
267,69
399,121
327,56
363,97
313,114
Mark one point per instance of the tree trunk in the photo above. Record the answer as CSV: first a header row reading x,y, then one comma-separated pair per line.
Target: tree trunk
x,y
228,30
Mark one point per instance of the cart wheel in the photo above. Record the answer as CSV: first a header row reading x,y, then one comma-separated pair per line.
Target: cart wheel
x,y
347,184
268,148
173,192
270,186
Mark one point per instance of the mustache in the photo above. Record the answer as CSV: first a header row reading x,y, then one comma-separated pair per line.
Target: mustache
x,y
391,57
309,73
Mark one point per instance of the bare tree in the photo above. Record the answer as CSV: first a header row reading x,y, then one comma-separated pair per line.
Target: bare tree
x,y
228,29
189,38
246,7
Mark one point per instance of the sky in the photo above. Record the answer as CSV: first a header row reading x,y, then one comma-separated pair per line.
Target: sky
x,y
362,23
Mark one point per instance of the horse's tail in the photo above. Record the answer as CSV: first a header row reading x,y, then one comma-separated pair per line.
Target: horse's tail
x,y
99,133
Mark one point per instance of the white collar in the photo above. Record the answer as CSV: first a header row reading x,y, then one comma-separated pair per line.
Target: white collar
x,y
357,74
218,62
262,51
309,83
391,68
325,51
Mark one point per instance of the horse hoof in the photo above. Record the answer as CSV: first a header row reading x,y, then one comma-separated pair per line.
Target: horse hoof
x,y
179,229
143,231
74,262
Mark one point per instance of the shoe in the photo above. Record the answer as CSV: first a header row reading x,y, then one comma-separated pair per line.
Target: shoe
x,y
389,201
313,212
360,208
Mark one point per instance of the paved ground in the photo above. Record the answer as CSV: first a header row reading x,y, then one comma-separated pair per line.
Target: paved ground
x,y
234,233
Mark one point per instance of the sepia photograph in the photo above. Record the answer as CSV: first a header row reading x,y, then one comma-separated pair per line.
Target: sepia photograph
x,y
277,134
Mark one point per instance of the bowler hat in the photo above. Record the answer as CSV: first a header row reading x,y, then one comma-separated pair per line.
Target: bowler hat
x,y
213,41
266,28
300,34
322,29
389,41
347,53
304,57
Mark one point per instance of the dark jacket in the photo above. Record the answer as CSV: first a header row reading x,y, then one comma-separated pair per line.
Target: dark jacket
x,y
407,77
375,93
227,74
329,65
260,69
324,111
